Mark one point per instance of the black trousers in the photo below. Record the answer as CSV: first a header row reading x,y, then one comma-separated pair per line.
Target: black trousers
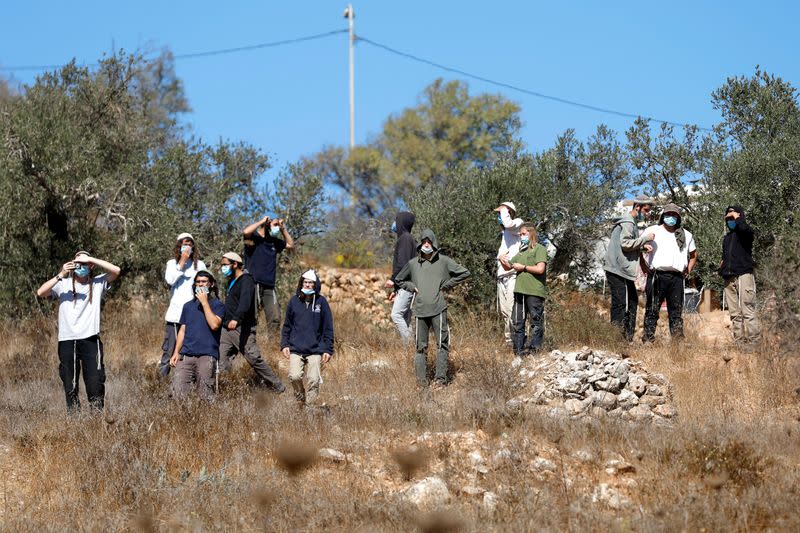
x,y
168,346
664,285
267,299
532,308
82,355
624,303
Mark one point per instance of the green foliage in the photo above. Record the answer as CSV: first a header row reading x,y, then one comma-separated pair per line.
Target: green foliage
x,y
448,129
98,160
752,159
566,191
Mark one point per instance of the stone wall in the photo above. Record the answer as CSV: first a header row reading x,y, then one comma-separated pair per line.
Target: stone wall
x,y
360,289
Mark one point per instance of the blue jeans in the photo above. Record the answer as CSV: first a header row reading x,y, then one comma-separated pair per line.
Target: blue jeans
x,y
527,306
401,314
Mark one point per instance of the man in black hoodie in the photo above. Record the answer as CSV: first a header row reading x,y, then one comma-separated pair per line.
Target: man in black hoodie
x,y
736,269
239,323
404,250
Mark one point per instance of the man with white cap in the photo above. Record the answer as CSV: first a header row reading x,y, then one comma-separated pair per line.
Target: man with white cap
x,y
509,247
179,276
239,322
671,259
307,337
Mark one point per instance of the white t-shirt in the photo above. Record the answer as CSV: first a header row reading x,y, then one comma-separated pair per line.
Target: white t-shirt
x,y
78,318
510,242
665,254
180,286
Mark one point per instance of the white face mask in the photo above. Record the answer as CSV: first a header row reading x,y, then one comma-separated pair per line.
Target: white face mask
x,y
274,231
426,249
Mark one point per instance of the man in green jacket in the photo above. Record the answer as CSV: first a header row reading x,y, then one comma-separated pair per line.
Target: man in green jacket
x,y
427,277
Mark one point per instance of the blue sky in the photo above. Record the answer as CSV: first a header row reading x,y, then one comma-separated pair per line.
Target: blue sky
x,y
660,59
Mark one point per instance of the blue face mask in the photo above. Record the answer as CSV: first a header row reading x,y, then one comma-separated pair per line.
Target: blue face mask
x,y
499,219
307,292
186,247
731,224
226,270
524,240
274,230
82,271
670,220
394,227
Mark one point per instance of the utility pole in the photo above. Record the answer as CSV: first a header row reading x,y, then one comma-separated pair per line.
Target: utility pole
x,y
350,15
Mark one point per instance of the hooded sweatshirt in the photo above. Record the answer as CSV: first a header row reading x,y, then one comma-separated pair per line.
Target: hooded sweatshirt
x,y
737,247
240,302
308,328
429,277
406,247
622,255
509,244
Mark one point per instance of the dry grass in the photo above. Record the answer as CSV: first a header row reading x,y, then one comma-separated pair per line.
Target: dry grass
x,y
729,463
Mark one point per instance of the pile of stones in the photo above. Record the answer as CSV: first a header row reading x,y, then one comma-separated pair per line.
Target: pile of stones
x,y
594,383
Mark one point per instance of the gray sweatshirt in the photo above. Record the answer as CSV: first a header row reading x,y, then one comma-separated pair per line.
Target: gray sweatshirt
x,y
624,248
429,277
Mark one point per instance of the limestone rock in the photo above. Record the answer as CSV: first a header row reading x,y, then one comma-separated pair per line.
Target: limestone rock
x,y
332,455
666,410
429,492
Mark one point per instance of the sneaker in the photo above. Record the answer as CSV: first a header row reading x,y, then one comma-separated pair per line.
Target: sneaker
x,y
438,385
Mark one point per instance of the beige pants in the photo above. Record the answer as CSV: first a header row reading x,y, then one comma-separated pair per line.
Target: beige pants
x,y
311,364
740,295
505,303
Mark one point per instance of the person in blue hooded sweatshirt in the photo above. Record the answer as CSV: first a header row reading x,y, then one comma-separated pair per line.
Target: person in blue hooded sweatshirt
x,y
307,337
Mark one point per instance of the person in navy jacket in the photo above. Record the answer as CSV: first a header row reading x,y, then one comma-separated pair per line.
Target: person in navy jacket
x,y
307,337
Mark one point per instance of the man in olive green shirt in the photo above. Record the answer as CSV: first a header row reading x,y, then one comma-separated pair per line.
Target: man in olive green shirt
x,y
529,292
427,276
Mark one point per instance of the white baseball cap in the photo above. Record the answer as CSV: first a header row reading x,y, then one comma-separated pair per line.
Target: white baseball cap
x,y
185,236
310,275
509,205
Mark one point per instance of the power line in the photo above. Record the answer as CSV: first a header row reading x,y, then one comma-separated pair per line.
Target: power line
x,y
206,53
519,89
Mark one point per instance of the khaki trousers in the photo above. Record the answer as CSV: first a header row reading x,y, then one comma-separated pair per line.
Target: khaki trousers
x,y
740,295
310,365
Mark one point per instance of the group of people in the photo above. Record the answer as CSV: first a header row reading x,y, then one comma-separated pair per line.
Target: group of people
x,y
203,334
666,254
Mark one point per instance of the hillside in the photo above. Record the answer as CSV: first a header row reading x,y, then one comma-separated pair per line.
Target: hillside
x,y
482,454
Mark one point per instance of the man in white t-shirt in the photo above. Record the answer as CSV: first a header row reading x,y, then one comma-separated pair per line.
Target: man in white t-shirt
x,y
79,347
670,261
509,247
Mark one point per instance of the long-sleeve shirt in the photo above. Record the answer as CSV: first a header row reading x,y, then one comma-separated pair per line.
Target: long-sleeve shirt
x,y
240,302
180,286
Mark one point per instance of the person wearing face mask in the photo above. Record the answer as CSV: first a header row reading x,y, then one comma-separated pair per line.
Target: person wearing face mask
x,y
264,240
179,276
239,323
80,349
509,246
530,290
736,269
622,261
307,337
197,346
671,259
427,276
405,249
